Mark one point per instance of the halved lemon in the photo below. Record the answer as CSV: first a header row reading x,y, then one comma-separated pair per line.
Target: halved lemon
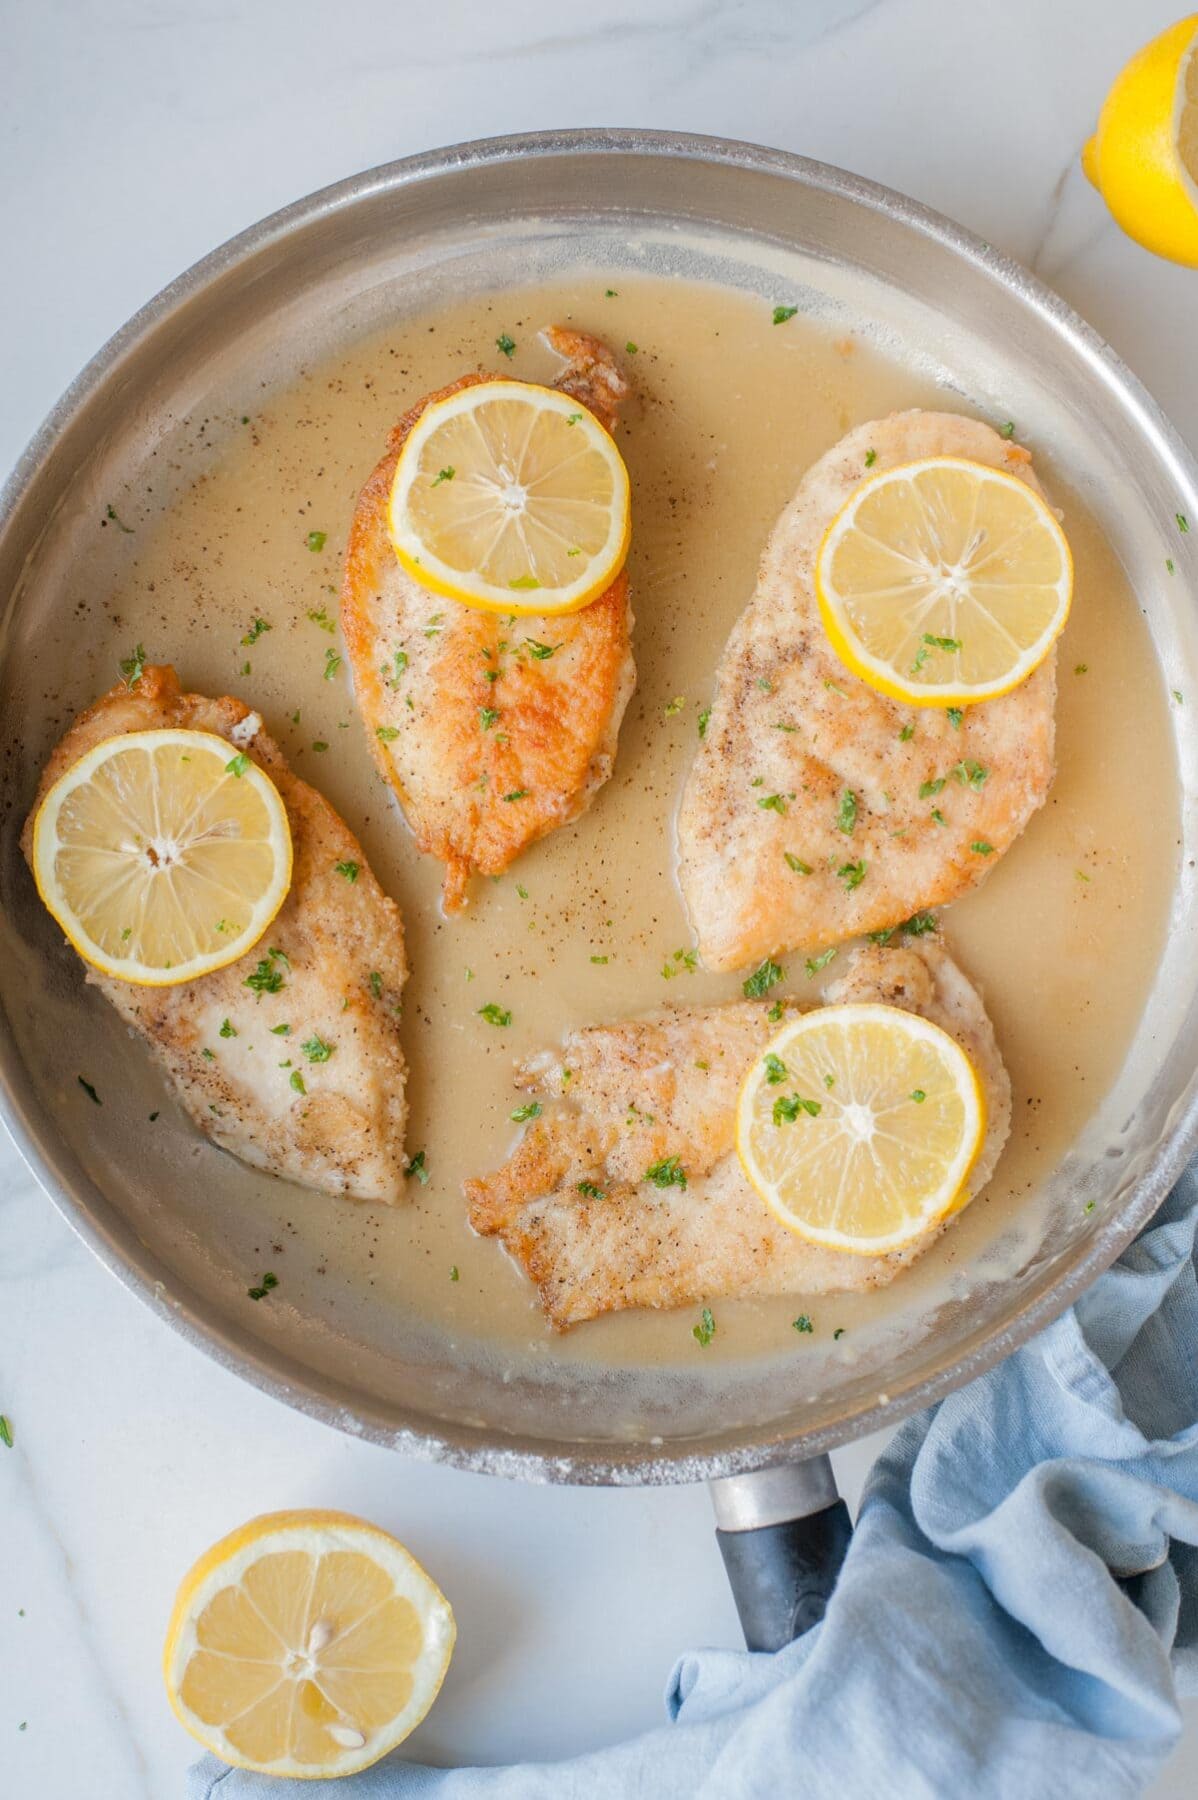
x,y
943,582
858,1126
306,1644
163,855
1143,158
511,498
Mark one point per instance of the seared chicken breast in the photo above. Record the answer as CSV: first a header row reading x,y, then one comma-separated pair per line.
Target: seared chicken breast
x,y
573,1207
428,672
331,967
816,808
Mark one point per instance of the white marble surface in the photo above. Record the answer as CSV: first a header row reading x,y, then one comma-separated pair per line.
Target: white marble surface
x,y
135,135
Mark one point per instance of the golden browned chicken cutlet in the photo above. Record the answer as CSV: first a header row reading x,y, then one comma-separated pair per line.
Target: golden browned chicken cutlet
x,y
816,808
330,969
574,1204
427,670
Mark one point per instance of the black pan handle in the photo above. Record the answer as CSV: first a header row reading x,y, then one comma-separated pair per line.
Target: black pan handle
x,y
783,1533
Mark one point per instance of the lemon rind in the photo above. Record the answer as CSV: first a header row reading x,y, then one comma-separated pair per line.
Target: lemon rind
x,y
136,974
881,676
436,576
954,1198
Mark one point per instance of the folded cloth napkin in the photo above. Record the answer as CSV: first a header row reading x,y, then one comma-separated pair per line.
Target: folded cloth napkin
x,y
1016,1616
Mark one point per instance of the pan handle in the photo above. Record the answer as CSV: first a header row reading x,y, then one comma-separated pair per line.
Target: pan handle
x,y
783,1533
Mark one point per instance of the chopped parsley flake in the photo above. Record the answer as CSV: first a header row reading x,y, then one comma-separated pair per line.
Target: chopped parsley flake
x,y
266,979
227,1029
971,774
453,1272
772,803
782,313
918,1095
530,1110
667,1173
814,964
1183,524
488,717
495,1015
796,863
1007,430
376,983
133,667
763,978
941,643
89,1090
906,734
540,651
704,1331
348,869
871,457
418,1167
675,706
1081,669
591,1192
110,512
446,474
506,344
255,631
775,1069
938,816
269,1281
316,1050
517,794
846,816
852,874
527,582
787,1108
238,764
387,733
954,715
683,964
980,847
5,1431
802,1323
332,662
317,540
1178,696
297,1082
599,959
704,716
630,347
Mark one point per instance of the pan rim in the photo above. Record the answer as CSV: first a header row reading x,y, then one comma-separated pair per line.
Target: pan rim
x,y
481,1449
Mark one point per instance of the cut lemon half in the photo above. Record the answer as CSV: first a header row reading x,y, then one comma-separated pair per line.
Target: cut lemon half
x,y
943,582
858,1126
1143,157
511,498
306,1644
163,855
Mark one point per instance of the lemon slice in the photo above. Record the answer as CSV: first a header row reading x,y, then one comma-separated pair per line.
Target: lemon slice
x,y
1143,158
511,498
943,582
306,1644
858,1126
162,854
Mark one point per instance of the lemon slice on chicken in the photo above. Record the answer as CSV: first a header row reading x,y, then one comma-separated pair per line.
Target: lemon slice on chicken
x,y
858,1125
306,1644
944,582
511,498
163,855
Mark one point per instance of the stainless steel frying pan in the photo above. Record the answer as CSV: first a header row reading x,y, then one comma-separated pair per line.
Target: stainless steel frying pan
x,y
477,217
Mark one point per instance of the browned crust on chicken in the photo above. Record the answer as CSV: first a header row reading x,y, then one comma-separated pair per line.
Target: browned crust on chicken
x,y
475,796
343,967
666,1086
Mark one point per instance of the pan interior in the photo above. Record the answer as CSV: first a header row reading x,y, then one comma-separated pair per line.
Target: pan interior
x,y
243,418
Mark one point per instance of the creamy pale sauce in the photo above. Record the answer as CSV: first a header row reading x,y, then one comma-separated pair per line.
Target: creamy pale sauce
x,y
728,412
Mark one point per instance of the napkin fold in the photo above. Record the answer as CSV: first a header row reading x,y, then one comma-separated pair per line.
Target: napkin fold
x,y
1016,1616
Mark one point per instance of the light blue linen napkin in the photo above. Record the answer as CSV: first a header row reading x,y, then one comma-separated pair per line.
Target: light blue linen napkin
x,y
1016,1616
